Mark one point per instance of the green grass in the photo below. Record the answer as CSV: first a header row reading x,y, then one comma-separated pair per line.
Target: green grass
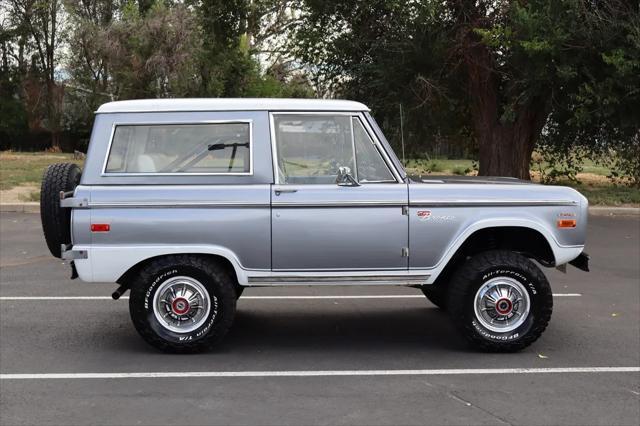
x,y
597,188
438,166
27,168
446,166
609,195
590,167
461,171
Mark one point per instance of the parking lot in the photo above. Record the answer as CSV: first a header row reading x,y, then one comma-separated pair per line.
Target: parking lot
x,y
334,355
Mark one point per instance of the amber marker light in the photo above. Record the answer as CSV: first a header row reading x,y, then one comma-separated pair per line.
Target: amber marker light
x,y
567,223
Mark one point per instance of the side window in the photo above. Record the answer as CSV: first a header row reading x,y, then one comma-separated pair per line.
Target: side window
x,y
218,148
312,147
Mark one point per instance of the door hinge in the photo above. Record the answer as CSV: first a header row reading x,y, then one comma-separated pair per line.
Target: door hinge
x,y
405,251
405,210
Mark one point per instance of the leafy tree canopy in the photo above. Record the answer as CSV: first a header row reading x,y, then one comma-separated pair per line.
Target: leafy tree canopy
x,y
494,80
512,74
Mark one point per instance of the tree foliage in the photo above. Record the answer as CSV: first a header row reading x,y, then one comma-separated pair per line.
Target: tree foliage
x,y
596,114
489,79
511,74
124,49
32,36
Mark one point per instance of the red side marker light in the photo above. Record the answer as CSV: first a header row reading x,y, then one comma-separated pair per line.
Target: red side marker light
x,y
100,227
567,223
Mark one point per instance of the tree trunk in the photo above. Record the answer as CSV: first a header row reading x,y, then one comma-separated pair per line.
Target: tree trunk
x,y
5,59
505,146
53,109
55,140
503,152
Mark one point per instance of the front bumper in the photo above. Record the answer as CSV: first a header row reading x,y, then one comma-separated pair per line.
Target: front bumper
x,y
581,262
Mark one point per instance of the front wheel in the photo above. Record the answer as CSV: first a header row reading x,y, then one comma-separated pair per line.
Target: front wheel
x,y
500,301
436,294
182,303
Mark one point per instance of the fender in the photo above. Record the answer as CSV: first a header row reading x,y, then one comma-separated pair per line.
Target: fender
x,y
562,254
108,263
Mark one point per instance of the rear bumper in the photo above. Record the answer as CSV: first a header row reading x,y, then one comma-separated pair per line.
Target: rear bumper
x,y
68,253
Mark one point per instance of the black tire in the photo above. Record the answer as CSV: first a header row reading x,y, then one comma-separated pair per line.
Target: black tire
x,y
220,288
56,221
437,294
239,291
484,268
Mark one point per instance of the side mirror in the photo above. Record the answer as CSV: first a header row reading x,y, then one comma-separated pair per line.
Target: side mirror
x,y
345,178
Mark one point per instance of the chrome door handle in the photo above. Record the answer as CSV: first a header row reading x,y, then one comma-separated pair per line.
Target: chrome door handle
x,y
285,191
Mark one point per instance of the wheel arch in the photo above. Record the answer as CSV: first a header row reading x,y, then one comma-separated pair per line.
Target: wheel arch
x,y
530,241
126,277
523,239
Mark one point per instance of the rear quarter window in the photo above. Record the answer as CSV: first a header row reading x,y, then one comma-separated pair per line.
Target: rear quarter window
x,y
202,148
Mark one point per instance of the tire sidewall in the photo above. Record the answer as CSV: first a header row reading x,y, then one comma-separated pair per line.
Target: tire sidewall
x,y
72,181
75,173
536,299
142,301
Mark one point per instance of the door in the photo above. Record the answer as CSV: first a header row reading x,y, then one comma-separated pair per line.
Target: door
x,y
337,204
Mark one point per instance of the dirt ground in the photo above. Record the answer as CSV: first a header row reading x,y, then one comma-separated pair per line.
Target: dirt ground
x,y
20,194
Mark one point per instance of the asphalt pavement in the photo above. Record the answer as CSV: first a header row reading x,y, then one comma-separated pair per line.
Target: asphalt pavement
x,y
333,355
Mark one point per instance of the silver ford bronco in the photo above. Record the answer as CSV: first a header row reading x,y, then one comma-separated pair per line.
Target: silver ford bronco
x,y
186,202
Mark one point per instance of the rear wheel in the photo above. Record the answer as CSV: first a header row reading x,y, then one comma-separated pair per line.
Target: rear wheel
x,y
182,303
56,220
500,301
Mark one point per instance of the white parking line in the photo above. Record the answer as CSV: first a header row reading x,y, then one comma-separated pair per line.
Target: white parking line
x,y
320,373
16,298
366,296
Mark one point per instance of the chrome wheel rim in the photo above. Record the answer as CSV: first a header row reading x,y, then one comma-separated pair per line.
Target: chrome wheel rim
x,y
502,304
181,304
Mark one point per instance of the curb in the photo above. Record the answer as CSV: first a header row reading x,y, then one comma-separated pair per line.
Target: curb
x,y
614,211
34,207
20,207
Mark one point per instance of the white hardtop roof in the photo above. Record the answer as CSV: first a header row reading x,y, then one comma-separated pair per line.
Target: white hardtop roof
x,y
230,104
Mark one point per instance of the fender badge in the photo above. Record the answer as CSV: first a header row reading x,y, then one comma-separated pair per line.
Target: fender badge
x,y
424,214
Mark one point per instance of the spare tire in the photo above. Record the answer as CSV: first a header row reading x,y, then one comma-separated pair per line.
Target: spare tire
x,y
56,220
